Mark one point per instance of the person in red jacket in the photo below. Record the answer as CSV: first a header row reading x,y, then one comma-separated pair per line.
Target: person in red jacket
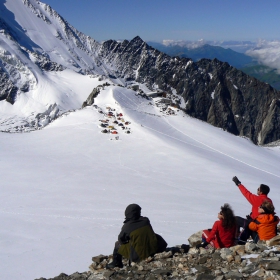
x,y
255,201
222,234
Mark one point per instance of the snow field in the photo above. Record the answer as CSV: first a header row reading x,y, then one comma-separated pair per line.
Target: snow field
x,y
64,189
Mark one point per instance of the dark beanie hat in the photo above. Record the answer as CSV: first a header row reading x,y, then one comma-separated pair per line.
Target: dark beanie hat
x,y
132,211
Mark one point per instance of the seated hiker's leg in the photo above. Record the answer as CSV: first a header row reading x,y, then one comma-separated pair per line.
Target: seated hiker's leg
x,y
117,258
205,234
245,234
241,223
173,250
185,247
255,236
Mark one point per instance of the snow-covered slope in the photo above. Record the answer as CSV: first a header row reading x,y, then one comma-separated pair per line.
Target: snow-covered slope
x,y
44,62
64,189
36,27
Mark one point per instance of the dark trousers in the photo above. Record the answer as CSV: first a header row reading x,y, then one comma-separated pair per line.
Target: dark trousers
x,y
246,233
116,256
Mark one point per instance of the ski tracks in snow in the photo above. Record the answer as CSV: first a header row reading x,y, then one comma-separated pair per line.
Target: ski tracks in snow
x,y
58,216
210,148
87,219
202,144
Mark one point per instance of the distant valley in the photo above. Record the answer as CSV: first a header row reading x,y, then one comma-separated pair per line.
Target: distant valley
x,y
236,59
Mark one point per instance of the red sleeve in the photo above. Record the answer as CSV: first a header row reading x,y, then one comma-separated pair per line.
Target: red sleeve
x,y
213,231
252,198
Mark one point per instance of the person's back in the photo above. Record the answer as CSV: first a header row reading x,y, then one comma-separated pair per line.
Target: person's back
x,y
133,221
137,240
138,231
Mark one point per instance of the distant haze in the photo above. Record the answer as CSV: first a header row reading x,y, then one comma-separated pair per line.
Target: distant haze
x,y
223,23
265,52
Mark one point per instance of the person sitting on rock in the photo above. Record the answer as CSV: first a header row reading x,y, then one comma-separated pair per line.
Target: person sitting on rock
x,y
137,239
265,225
255,201
222,234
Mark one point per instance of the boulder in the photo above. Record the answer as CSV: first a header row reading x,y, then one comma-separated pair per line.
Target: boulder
x,y
273,241
195,238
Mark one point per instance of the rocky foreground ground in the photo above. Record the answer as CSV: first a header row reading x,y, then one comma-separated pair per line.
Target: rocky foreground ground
x,y
250,261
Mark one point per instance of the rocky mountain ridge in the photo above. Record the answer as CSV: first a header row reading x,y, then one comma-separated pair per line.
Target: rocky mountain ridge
x,y
212,91
209,90
250,261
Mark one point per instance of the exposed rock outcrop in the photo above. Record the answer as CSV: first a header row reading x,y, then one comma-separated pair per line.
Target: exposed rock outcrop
x,y
90,99
250,261
8,90
48,116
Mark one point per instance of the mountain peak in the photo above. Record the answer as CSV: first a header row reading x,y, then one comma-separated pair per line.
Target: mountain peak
x,y
137,41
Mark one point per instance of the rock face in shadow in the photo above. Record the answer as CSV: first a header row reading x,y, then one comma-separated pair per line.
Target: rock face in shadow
x,y
212,91
8,90
90,99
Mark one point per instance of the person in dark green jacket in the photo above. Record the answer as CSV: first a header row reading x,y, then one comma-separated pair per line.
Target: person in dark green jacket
x,y
136,241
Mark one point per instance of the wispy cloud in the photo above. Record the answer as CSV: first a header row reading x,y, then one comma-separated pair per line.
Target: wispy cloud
x,y
267,53
238,46
184,43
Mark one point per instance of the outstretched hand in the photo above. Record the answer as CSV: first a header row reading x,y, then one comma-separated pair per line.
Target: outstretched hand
x,y
236,181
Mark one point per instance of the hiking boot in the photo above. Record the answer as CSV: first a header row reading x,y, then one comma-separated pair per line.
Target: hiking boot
x,y
117,260
185,247
114,264
241,242
173,250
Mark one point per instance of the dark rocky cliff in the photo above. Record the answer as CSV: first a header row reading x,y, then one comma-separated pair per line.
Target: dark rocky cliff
x,y
213,91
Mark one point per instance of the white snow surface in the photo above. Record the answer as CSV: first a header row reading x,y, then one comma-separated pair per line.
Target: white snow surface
x,y
39,29
64,188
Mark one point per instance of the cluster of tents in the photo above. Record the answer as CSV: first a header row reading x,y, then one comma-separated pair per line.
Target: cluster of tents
x,y
113,122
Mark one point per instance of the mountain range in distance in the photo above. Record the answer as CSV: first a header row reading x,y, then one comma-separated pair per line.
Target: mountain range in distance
x,y
38,47
239,60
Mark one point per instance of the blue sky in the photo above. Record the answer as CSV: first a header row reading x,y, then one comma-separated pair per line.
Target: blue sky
x,y
156,20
